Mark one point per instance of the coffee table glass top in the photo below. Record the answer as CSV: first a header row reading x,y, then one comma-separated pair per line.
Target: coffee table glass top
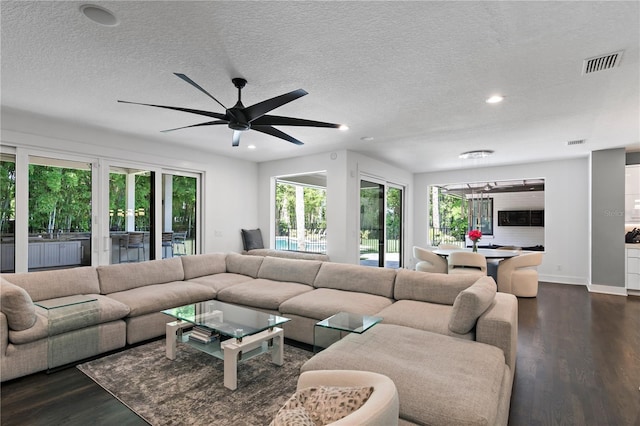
x,y
347,321
229,320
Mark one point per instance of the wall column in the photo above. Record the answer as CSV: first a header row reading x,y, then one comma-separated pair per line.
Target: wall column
x,y
607,219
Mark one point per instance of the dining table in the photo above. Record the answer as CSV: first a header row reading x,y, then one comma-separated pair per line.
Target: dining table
x,y
487,253
493,254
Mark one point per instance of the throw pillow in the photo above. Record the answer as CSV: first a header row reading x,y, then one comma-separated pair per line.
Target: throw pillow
x,y
470,304
292,417
252,239
17,305
328,404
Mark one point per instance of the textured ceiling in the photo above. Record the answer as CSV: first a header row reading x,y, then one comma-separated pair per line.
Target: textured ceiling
x,y
412,75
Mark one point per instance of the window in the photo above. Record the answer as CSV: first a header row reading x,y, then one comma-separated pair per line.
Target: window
x,y
300,215
481,214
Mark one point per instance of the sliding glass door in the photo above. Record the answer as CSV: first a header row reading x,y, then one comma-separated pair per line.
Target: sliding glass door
x,y
381,230
60,211
179,215
131,214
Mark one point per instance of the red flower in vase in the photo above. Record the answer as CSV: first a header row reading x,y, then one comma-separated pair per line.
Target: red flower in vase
x,y
475,235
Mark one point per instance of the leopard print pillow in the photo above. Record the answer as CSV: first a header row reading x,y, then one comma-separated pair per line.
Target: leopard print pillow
x,y
327,404
292,417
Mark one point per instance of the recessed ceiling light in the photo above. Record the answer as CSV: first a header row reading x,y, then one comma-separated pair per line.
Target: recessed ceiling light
x,y
366,138
343,127
481,153
99,15
251,147
494,99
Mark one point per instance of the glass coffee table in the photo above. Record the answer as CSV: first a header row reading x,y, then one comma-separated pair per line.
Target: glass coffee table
x,y
332,329
231,333
63,315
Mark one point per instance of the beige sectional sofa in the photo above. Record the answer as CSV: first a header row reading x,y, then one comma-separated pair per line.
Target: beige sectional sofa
x,y
446,341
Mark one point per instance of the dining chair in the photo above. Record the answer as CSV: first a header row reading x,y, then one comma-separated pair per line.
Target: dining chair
x,y
429,261
167,243
123,242
179,240
464,262
519,275
136,241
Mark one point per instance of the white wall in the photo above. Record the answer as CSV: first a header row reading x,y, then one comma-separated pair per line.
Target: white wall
x,y
343,170
229,193
523,236
566,204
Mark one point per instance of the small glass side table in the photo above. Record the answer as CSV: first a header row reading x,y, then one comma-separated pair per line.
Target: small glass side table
x,y
332,329
64,314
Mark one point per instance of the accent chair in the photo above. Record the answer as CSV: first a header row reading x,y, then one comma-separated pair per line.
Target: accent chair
x,y
519,275
463,262
429,261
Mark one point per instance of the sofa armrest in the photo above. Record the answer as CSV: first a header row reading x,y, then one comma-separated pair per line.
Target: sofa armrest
x,y
498,326
4,334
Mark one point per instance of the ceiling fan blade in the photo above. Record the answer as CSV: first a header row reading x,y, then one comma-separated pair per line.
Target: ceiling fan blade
x,y
275,120
208,123
277,133
194,84
256,111
192,111
236,138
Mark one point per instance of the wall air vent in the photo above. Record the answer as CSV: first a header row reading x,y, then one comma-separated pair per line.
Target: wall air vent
x,y
576,142
601,63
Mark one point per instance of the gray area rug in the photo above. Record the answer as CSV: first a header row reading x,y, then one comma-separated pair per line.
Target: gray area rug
x,y
189,390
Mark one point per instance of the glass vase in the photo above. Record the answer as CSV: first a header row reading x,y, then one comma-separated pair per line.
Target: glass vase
x,y
475,247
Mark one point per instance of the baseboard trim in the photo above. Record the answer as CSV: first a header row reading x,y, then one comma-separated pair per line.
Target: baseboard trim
x,y
607,289
561,279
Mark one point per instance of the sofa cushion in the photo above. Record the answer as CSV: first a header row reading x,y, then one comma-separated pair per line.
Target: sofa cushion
x,y
17,305
46,285
203,264
261,293
471,303
321,303
244,265
220,281
156,297
426,316
440,380
430,287
363,279
121,277
291,270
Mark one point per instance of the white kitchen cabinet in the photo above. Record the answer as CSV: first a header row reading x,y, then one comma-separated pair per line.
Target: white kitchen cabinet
x,y
8,255
632,194
54,253
632,268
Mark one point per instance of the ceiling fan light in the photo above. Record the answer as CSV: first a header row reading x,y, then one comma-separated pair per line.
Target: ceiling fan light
x,y
494,99
343,127
480,153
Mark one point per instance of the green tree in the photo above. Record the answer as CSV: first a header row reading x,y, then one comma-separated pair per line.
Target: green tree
x,y
59,199
7,195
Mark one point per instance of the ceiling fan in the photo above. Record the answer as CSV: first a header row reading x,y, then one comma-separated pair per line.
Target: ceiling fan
x,y
240,118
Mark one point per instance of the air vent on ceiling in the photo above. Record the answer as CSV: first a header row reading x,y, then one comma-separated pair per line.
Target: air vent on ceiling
x,y
601,63
576,142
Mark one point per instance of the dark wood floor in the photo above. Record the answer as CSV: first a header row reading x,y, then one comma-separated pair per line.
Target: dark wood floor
x,y
578,364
